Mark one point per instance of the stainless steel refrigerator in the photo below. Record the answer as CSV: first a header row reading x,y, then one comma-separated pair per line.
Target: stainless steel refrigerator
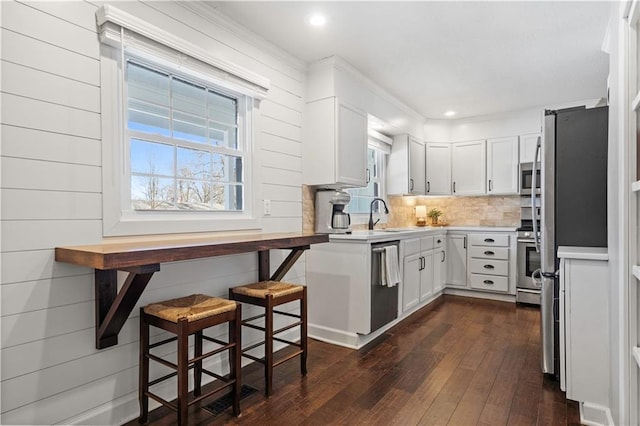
x,y
574,205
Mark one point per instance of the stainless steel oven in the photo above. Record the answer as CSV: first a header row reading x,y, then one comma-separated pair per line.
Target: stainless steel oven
x,y
526,178
527,289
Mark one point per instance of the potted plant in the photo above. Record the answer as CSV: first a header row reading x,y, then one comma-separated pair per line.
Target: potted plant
x,y
433,214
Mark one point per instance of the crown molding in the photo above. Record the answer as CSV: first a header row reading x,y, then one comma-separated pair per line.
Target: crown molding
x,y
339,63
213,15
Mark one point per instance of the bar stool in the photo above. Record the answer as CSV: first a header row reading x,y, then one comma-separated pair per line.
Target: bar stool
x,y
270,294
183,317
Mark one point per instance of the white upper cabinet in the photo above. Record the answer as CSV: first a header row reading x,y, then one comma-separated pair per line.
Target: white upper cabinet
x,y
502,165
406,168
438,168
528,147
334,144
468,168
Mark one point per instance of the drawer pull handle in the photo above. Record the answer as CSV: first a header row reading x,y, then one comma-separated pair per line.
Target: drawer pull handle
x,y
439,241
489,253
488,282
489,266
489,240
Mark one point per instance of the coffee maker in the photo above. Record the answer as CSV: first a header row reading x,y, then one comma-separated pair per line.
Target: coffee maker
x,y
330,215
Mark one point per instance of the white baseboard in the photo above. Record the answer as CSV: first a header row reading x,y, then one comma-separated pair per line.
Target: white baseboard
x,y
125,408
595,415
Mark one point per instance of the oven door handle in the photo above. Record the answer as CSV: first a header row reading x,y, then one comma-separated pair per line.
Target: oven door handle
x,y
536,277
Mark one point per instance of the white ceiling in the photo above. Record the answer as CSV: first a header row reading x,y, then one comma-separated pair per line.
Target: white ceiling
x,y
475,58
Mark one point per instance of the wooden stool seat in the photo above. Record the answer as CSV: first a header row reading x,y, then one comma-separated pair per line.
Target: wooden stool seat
x,y
264,288
191,308
183,317
270,294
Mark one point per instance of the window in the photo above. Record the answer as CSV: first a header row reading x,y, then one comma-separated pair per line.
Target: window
x,y
178,145
184,152
361,198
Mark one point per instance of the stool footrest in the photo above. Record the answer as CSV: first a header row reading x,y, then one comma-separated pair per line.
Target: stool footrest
x,y
162,361
289,314
255,345
287,358
288,342
280,330
208,394
253,318
216,376
163,378
213,352
162,342
162,401
213,340
254,358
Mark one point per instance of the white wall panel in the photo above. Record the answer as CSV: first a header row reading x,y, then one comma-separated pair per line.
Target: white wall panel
x,y
34,295
76,12
39,145
279,144
281,112
18,204
280,128
283,97
34,23
41,55
35,265
45,234
281,177
37,174
281,193
277,160
28,82
33,114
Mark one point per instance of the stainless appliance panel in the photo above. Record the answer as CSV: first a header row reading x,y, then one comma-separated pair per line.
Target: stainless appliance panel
x,y
384,300
528,263
547,255
527,178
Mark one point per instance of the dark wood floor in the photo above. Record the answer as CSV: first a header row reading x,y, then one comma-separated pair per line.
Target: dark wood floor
x,y
463,362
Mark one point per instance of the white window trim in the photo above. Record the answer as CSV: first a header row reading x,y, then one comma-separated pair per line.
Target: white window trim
x,y
119,30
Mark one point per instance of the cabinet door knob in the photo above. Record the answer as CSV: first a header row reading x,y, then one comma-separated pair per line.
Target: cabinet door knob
x,y
488,282
489,253
489,267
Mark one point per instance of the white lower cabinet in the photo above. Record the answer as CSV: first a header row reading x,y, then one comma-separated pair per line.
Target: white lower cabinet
x,y
456,260
439,263
421,259
488,262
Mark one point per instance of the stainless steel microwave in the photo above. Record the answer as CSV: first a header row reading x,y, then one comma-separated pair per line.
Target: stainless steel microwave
x,y
526,178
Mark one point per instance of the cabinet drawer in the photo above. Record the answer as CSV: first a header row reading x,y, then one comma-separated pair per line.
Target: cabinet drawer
x,y
489,282
489,252
438,241
493,240
411,246
426,243
489,267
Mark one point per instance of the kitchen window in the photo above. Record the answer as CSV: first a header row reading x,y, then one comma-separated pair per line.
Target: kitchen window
x,y
361,198
178,133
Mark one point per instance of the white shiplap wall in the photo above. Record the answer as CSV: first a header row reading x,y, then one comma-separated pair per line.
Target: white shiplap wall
x,y
51,196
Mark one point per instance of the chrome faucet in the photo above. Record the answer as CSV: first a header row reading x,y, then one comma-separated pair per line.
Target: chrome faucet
x,y
386,211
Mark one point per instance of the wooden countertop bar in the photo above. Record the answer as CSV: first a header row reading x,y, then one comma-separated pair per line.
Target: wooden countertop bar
x,y
141,259
121,255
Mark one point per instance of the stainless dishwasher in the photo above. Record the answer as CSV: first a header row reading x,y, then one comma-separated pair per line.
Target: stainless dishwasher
x,y
384,299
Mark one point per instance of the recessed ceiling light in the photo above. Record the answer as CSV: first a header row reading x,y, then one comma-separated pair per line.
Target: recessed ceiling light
x,y
316,20
450,113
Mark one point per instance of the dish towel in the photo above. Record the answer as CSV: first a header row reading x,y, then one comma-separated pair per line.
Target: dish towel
x,y
391,266
383,269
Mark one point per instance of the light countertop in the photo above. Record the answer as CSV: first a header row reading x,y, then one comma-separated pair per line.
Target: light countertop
x,y
400,233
